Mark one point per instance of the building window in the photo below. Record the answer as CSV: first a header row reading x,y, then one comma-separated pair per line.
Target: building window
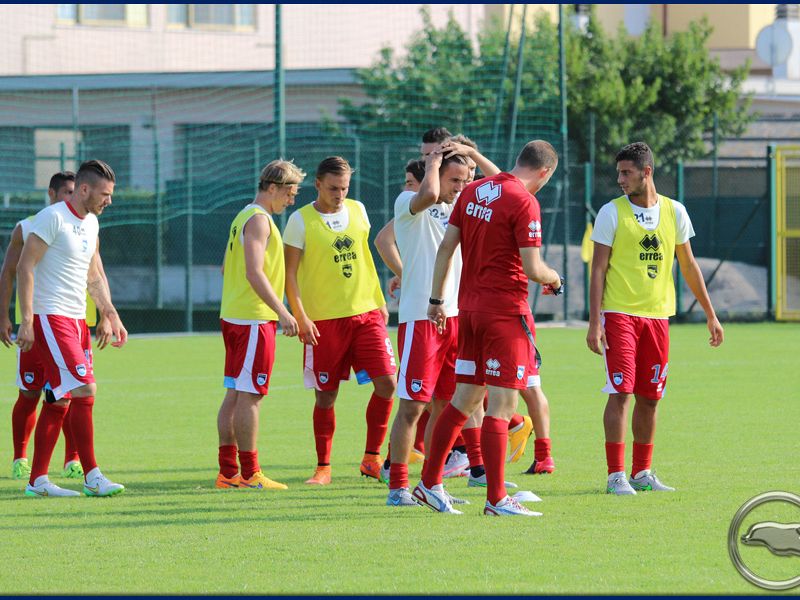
x,y
125,15
212,16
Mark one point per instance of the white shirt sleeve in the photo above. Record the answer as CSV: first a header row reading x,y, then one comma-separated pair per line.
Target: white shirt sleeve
x,y
295,233
683,224
364,212
46,225
25,229
402,206
605,225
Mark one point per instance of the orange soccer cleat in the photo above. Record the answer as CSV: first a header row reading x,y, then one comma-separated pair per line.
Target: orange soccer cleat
x,y
228,482
371,466
321,476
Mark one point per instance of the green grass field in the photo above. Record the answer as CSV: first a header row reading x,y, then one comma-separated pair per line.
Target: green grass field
x,y
728,430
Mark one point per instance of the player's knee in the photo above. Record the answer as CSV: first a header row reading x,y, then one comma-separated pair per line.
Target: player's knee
x,y
325,399
32,395
90,389
385,387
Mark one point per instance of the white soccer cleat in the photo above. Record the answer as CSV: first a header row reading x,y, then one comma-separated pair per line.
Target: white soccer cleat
x,y
646,481
618,485
457,465
384,475
508,507
43,488
434,498
481,482
97,484
400,497
453,499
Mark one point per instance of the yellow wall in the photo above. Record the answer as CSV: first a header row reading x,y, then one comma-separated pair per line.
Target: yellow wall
x,y
611,16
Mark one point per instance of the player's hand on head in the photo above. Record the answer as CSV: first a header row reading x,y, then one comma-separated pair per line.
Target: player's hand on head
x,y
395,283
5,331
451,148
25,337
716,331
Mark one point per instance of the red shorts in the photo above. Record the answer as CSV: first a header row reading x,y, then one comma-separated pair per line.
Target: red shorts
x,y
64,347
497,350
360,342
249,356
30,370
427,360
637,355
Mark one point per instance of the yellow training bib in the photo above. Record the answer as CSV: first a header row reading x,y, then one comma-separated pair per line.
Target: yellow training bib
x,y
639,278
239,300
337,276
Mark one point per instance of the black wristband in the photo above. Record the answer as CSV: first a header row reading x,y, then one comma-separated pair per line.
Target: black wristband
x,y
560,290
436,301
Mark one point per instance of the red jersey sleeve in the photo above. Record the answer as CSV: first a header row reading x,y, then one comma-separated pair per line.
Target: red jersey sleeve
x,y
528,225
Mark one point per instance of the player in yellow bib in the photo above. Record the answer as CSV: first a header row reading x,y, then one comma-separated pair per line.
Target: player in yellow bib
x,y
252,306
631,297
30,377
334,292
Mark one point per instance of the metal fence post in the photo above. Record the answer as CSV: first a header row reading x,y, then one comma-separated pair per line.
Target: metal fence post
x,y
562,69
189,238
357,166
772,280
587,216
679,185
159,228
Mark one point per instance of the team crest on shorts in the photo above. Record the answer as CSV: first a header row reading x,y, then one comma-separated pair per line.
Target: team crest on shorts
x,y
520,372
261,379
617,378
80,370
28,377
416,385
323,378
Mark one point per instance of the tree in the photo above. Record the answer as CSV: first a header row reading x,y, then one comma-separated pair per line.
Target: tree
x,y
662,90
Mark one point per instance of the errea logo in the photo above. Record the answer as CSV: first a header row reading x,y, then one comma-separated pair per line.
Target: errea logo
x,y
493,367
534,230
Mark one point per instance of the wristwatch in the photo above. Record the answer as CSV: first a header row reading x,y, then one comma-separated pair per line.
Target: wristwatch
x,y
436,301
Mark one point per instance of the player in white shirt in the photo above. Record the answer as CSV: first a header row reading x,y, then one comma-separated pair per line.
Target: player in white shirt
x,y
58,264
427,358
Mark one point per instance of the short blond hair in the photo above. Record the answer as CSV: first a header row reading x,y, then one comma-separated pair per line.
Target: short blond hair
x,y
280,172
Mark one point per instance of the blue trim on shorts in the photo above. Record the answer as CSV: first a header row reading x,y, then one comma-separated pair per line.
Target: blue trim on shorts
x,y
229,382
363,377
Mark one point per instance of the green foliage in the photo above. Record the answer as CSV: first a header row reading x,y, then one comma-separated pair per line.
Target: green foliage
x,y
661,90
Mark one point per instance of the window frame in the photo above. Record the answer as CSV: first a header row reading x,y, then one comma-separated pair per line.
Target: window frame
x,y
191,24
80,19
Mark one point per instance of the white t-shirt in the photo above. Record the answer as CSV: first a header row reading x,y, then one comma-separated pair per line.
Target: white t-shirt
x,y
59,280
418,237
295,232
605,225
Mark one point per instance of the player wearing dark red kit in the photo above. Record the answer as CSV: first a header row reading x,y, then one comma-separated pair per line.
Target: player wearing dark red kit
x,y
497,222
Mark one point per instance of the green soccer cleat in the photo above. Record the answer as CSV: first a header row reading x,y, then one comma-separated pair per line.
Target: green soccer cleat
x,y
20,469
73,470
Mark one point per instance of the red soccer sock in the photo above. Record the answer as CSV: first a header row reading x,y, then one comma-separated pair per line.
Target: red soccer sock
x,y
398,476
324,426
445,433
642,457
70,450
541,448
45,437
472,439
227,461
494,440
80,416
615,457
419,441
515,421
249,462
459,441
23,420
378,412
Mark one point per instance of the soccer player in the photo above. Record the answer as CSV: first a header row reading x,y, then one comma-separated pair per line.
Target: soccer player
x,y
497,223
631,297
252,306
427,358
415,172
334,293
58,264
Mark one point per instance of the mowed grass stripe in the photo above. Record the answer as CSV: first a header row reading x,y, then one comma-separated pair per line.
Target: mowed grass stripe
x,y
727,431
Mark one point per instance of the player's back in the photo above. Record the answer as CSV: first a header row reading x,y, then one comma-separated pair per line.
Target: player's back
x,y
496,216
